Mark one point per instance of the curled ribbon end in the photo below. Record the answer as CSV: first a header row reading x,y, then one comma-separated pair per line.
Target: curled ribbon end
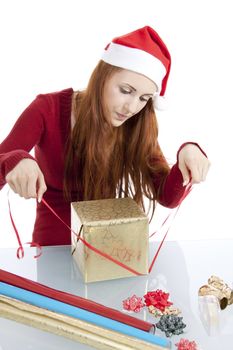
x,y
20,252
36,245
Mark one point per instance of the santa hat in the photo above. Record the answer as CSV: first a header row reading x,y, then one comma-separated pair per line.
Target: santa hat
x,y
144,52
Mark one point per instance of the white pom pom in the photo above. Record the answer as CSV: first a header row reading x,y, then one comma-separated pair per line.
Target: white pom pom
x,y
160,103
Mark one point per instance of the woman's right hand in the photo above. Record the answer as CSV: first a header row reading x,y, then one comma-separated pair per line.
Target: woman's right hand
x,y
27,179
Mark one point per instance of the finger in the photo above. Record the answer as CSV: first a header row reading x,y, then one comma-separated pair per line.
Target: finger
x,y
22,186
31,187
196,174
205,171
12,186
41,187
16,186
195,169
185,174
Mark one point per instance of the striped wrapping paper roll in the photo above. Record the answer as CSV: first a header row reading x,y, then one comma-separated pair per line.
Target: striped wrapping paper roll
x,y
45,303
74,300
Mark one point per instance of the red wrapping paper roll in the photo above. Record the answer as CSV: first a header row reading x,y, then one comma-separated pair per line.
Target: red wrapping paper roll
x,y
74,300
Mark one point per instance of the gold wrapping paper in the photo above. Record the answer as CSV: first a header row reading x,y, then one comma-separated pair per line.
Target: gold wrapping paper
x,y
117,227
69,327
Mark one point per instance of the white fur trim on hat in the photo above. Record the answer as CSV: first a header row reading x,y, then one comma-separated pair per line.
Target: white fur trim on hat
x,y
136,60
159,102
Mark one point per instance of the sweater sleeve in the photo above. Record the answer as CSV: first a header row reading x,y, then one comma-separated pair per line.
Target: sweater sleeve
x,y
171,189
25,134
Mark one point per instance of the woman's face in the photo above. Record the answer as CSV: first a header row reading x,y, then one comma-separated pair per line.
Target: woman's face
x,y
125,94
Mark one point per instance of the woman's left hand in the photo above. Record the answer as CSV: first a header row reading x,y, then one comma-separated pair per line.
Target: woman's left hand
x,y
193,164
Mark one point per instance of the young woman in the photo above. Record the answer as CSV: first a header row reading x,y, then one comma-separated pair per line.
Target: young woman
x,y
101,142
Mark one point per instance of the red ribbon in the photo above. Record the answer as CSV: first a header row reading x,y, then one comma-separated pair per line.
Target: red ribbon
x,y
91,246
186,192
20,250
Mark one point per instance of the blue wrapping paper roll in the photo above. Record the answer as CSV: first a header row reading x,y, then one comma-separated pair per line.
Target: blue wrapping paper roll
x,y
65,309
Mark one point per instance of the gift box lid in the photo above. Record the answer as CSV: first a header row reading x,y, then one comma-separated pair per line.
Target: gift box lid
x,y
108,211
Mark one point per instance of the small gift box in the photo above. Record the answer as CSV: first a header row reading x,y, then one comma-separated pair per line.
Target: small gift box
x,y
116,227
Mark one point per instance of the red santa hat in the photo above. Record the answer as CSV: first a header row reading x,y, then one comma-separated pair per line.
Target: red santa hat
x,y
144,52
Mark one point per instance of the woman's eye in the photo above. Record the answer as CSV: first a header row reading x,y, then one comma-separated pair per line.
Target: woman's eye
x,y
124,91
144,99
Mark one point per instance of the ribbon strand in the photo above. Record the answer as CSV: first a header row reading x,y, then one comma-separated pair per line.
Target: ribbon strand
x,y
186,192
20,250
89,245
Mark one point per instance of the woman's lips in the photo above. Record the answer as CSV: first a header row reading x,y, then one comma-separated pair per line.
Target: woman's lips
x,y
121,116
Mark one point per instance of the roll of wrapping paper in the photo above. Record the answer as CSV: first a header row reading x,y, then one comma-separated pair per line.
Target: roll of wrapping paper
x,y
69,327
83,315
74,300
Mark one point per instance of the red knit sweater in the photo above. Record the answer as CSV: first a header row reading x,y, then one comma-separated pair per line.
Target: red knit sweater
x,y
45,125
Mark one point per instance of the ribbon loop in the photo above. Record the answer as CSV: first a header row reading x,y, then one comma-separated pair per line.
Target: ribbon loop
x,y
20,252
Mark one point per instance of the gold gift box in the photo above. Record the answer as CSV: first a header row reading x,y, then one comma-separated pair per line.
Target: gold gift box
x,y
117,227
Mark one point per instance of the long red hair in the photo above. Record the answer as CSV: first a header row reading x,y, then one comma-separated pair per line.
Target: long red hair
x,y
103,161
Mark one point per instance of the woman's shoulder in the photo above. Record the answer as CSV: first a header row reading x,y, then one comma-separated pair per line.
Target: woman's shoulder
x,y
61,94
55,100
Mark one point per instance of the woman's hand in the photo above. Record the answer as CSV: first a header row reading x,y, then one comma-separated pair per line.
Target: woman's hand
x,y
193,164
27,180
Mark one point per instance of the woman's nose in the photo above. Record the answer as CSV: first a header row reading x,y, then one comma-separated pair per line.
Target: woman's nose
x,y
131,106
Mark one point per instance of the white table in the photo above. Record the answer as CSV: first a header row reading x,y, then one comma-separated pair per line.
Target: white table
x,y
181,268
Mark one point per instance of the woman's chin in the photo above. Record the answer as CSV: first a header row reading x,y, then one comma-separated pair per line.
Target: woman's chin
x,y
116,123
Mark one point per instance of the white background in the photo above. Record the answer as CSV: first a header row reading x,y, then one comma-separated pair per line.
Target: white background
x,y
50,45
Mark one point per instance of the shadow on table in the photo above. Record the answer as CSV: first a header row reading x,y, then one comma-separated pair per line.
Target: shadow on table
x,y
57,269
